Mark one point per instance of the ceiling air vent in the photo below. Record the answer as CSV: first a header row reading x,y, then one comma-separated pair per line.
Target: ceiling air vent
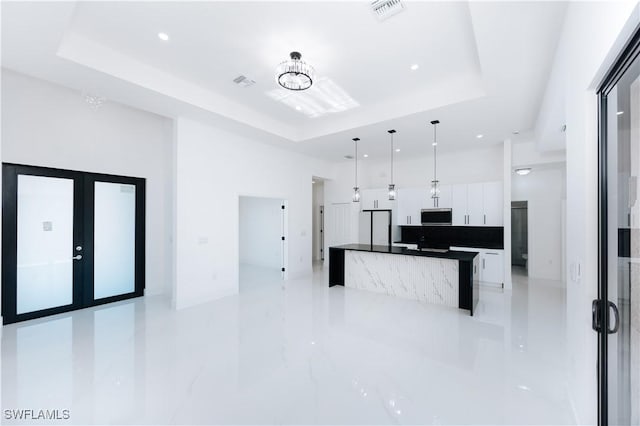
x,y
243,81
384,9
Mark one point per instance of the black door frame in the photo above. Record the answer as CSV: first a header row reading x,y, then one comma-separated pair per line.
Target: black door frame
x,y
83,231
601,306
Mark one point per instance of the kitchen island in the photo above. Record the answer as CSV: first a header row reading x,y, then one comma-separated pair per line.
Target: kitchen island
x,y
444,277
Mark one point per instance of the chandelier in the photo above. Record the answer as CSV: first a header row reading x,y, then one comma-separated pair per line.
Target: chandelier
x,y
295,74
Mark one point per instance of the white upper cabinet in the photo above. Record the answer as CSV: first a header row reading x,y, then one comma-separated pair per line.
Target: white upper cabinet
x,y
410,202
376,199
459,204
475,209
477,204
493,204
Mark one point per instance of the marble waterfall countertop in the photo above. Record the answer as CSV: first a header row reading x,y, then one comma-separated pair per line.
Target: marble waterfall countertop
x,y
447,278
449,254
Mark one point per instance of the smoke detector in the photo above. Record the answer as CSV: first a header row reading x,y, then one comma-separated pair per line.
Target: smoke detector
x,y
243,81
385,9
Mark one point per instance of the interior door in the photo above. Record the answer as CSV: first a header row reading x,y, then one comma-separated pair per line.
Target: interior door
x,y
69,240
616,313
41,268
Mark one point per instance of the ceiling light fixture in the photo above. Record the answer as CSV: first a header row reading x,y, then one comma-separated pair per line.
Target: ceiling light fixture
x,y
397,149
619,112
94,101
356,190
435,191
414,67
366,155
480,136
295,74
298,108
523,171
163,36
516,132
392,187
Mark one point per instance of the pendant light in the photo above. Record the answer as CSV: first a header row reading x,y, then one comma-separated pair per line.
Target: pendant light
x,y
356,190
435,190
392,187
294,73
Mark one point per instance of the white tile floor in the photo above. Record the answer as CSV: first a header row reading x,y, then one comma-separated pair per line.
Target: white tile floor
x,y
297,352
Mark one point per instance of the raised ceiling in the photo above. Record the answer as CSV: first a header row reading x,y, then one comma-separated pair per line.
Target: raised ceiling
x,y
482,69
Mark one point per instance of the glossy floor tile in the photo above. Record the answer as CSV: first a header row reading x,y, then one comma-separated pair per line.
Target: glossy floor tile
x,y
297,352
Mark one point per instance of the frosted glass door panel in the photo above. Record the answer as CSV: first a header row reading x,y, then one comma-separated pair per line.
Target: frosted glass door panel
x,y
114,239
44,272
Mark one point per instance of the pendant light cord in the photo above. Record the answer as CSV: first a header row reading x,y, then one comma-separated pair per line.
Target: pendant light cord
x,y
391,157
356,183
435,146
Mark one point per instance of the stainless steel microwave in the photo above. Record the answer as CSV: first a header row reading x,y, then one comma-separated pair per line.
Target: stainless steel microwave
x,y
436,217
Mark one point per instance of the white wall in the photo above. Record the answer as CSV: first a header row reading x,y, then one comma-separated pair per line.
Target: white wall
x,y
213,169
48,125
260,232
528,153
544,189
472,165
589,42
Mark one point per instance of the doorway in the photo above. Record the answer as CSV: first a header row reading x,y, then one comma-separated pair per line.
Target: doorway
x,y
70,240
519,238
317,218
262,242
616,312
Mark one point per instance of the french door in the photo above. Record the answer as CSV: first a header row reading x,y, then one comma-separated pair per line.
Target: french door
x,y
70,240
616,313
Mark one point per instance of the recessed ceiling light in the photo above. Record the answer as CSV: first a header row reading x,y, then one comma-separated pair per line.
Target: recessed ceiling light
x,y
479,136
313,181
397,149
298,107
523,171
619,112
163,36
366,155
414,67
434,144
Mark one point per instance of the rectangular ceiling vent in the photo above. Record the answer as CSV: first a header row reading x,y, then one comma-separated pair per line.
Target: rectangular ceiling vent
x,y
243,81
385,9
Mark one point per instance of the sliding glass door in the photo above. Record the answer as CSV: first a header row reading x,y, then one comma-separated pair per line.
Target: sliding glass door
x,y
70,240
616,314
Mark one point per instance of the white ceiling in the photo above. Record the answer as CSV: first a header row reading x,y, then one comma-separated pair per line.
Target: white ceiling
x,y
483,65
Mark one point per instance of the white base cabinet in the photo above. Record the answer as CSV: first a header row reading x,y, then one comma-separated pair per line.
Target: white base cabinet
x,y
491,264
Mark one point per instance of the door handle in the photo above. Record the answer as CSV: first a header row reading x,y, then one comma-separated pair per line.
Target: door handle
x,y
485,219
77,257
613,330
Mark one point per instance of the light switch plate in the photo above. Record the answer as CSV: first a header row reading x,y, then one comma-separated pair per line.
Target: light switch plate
x,y
47,226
